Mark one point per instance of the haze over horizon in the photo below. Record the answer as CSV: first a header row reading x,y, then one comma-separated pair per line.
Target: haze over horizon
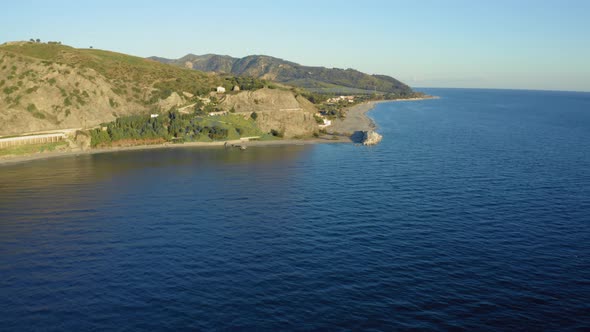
x,y
524,45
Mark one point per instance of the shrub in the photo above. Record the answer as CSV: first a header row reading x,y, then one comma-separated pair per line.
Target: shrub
x,y
254,116
31,90
276,133
10,89
35,112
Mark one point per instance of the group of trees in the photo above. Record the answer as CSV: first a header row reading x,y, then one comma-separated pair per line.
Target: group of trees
x,y
130,127
170,126
244,82
37,40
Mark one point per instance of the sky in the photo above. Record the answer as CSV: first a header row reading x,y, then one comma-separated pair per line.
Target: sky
x,y
518,44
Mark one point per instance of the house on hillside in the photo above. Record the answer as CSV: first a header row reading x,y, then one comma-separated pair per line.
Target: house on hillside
x,y
326,123
220,89
350,99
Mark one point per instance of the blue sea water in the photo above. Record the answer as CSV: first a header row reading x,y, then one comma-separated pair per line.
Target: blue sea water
x,y
472,214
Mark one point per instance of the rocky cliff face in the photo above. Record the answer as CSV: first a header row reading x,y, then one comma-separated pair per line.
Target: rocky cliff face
x,y
277,109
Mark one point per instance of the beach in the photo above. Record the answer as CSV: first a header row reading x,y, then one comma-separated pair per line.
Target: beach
x,y
357,120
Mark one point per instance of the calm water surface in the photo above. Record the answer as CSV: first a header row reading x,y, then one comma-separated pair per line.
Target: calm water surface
x,y
473,213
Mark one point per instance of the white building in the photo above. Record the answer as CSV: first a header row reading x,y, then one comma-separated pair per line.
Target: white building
x,y
154,115
220,89
326,123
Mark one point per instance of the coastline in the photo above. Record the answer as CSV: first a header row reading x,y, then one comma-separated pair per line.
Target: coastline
x,y
357,119
199,145
341,130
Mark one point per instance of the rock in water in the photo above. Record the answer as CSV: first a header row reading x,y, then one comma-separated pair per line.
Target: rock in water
x,y
371,138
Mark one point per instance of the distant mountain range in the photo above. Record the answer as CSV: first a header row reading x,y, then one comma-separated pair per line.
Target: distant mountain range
x,y
317,79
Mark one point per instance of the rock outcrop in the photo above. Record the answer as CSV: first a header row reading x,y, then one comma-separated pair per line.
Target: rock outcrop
x,y
371,138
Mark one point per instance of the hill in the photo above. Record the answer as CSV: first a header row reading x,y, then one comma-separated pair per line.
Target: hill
x,y
46,86
316,79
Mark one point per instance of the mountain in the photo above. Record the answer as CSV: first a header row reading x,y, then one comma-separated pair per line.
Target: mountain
x,y
317,79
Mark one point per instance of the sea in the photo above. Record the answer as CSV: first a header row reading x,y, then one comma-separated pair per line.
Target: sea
x,y
473,213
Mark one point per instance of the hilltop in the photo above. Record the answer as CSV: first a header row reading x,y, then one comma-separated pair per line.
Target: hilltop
x,y
316,79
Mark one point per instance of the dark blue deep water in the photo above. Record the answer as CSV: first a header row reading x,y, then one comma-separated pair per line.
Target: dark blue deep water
x,y
472,214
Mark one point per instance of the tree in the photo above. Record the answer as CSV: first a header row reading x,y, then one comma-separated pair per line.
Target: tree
x,y
254,116
38,40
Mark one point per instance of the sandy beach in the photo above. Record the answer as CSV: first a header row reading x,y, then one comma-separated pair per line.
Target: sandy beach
x,y
340,132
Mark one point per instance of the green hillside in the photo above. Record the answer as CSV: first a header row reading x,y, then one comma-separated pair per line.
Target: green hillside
x,y
119,68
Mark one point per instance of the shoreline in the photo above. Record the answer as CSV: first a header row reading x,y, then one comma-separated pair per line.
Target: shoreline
x,y
357,119
356,115
198,145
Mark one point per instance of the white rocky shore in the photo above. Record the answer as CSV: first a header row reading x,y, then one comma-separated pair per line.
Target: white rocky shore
x,y
371,137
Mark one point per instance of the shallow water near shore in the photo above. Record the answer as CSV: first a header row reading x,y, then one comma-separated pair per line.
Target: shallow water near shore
x,y
472,213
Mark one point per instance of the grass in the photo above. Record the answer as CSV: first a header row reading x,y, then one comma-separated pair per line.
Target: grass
x,y
32,148
234,123
120,67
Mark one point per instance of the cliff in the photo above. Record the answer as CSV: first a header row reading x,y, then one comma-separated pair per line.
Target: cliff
x,y
276,109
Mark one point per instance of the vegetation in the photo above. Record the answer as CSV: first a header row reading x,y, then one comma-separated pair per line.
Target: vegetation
x,y
174,126
277,133
10,89
333,111
31,148
318,119
35,112
244,83
125,71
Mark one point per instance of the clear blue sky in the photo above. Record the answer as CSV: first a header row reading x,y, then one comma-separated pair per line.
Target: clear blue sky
x,y
496,44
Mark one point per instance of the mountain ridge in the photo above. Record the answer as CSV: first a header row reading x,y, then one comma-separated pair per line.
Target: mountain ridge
x,y
314,78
